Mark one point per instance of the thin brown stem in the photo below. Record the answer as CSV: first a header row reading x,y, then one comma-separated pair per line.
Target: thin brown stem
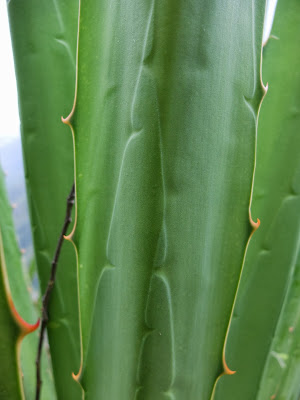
x,y
47,295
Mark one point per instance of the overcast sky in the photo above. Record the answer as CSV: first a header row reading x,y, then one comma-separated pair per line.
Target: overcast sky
x,y
9,117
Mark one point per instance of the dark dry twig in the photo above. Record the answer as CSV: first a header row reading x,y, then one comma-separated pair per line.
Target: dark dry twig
x,y
46,297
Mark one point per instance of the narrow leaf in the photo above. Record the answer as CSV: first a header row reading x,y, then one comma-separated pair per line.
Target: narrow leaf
x,y
44,43
266,308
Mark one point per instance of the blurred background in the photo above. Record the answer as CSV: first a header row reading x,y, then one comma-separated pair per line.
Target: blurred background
x,y
10,141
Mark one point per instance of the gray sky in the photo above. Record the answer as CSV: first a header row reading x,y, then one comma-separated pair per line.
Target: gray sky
x,y
9,116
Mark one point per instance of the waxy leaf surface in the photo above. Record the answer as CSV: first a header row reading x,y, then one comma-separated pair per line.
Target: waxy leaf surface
x,y
265,325
44,42
164,125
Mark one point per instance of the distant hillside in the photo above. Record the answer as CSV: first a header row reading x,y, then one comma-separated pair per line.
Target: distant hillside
x,y
12,164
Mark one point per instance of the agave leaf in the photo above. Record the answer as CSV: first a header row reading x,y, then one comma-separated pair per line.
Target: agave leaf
x,y
266,308
44,43
164,124
280,379
16,308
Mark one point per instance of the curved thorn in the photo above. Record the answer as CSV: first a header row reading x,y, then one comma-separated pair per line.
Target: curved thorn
x,y
67,119
227,370
77,376
256,224
25,327
69,237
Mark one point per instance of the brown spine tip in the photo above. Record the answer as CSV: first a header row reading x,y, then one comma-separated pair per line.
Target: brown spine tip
x,y
67,120
76,376
69,237
227,370
256,224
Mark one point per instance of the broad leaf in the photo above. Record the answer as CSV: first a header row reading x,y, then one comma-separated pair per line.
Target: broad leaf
x,y
164,126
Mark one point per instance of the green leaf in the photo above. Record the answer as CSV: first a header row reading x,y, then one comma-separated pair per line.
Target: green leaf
x,y
259,335
16,308
44,43
10,382
280,378
164,126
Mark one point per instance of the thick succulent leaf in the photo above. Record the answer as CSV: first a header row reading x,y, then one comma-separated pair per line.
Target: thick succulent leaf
x,y
44,43
164,125
266,307
16,308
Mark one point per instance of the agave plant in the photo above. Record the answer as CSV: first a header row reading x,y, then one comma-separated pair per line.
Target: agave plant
x,y
164,289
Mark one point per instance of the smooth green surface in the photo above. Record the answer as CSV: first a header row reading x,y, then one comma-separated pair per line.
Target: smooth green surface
x,y
16,288
282,369
164,127
266,307
44,43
